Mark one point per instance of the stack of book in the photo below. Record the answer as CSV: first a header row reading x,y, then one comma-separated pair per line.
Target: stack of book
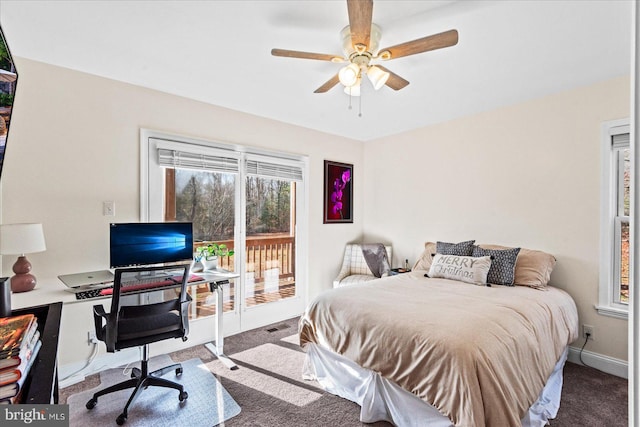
x,y
19,346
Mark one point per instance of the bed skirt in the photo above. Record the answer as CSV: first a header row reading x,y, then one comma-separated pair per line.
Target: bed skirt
x,y
383,400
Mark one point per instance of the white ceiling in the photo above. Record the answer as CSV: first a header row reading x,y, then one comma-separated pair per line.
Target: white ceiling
x,y
219,52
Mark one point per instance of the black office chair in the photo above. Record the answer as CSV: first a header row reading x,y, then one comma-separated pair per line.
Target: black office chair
x,y
142,313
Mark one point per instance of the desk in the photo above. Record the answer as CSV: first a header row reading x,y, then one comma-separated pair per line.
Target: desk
x,y
77,319
216,279
41,385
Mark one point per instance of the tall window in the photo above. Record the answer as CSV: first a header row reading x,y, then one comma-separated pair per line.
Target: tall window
x,y
616,182
622,171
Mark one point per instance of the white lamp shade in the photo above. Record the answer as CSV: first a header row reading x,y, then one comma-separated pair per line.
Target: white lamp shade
x,y
353,90
377,76
18,239
349,75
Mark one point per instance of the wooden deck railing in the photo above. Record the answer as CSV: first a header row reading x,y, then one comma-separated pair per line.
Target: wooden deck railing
x,y
263,253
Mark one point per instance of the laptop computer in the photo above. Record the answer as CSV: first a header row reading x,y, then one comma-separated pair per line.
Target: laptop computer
x,y
90,280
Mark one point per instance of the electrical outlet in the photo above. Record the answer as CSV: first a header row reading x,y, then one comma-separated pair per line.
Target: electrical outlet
x,y
587,329
92,339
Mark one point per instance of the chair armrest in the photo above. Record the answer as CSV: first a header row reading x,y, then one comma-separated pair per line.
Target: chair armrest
x,y
99,319
98,315
184,313
346,271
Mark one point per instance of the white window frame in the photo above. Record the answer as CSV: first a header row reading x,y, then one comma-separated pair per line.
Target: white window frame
x,y
610,222
152,192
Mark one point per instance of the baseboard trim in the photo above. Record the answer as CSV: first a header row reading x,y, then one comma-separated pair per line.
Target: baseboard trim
x,y
76,372
610,365
73,373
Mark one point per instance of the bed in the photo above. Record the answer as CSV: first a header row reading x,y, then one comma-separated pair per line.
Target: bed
x,y
414,350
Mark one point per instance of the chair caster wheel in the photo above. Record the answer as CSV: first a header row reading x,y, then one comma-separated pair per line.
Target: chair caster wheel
x,y
183,396
179,371
121,419
91,403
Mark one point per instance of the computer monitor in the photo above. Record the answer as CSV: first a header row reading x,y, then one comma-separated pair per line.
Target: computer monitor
x,y
148,243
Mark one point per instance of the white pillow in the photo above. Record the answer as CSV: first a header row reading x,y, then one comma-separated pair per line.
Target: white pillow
x,y
462,268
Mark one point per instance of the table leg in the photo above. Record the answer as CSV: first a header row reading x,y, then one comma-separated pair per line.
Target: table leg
x,y
218,348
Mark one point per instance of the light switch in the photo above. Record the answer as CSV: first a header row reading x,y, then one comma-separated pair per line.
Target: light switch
x,y
109,208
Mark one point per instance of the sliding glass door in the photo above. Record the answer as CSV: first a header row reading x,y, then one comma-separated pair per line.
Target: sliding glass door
x,y
249,202
270,266
208,200
272,194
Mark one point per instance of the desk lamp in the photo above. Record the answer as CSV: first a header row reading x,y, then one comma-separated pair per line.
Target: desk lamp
x,y
21,239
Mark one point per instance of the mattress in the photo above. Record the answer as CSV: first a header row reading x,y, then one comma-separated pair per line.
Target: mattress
x,y
480,355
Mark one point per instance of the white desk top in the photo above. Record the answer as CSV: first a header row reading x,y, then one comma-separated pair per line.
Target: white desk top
x,y
49,290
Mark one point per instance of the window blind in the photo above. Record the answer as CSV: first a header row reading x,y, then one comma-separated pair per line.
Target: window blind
x,y
274,170
620,140
206,162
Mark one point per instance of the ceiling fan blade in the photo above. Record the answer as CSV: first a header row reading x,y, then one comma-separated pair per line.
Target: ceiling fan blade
x,y
395,82
436,41
328,85
360,16
306,55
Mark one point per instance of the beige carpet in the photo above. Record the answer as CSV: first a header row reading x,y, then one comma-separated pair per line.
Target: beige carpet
x,y
269,388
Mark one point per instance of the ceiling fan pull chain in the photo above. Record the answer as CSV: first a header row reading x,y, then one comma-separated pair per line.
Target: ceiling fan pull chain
x,y
360,105
350,99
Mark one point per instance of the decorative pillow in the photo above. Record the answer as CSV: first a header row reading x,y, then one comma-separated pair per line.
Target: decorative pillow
x,y
503,265
460,249
461,268
533,268
424,262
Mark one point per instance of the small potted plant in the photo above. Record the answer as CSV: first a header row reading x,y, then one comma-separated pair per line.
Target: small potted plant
x,y
209,254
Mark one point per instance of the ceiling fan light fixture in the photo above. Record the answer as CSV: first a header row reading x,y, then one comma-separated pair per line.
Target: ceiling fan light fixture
x,y
353,90
377,76
349,75
360,41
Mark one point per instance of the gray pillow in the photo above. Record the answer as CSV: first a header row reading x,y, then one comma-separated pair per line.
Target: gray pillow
x,y
458,249
503,264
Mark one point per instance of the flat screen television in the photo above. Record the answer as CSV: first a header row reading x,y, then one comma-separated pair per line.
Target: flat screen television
x,y
148,243
8,82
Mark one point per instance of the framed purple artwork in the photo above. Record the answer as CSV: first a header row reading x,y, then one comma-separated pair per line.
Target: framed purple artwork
x,y
338,192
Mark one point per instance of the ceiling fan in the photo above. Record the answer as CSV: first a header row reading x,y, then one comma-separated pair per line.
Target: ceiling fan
x,y
360,46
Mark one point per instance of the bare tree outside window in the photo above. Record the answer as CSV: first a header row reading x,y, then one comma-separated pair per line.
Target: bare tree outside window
x,y
268,206
207,200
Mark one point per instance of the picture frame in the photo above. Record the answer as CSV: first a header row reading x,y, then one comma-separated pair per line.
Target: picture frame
x,y
338,193
8,83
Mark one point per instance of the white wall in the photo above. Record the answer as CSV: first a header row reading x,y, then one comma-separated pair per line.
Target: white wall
x,y
74,143
526,175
